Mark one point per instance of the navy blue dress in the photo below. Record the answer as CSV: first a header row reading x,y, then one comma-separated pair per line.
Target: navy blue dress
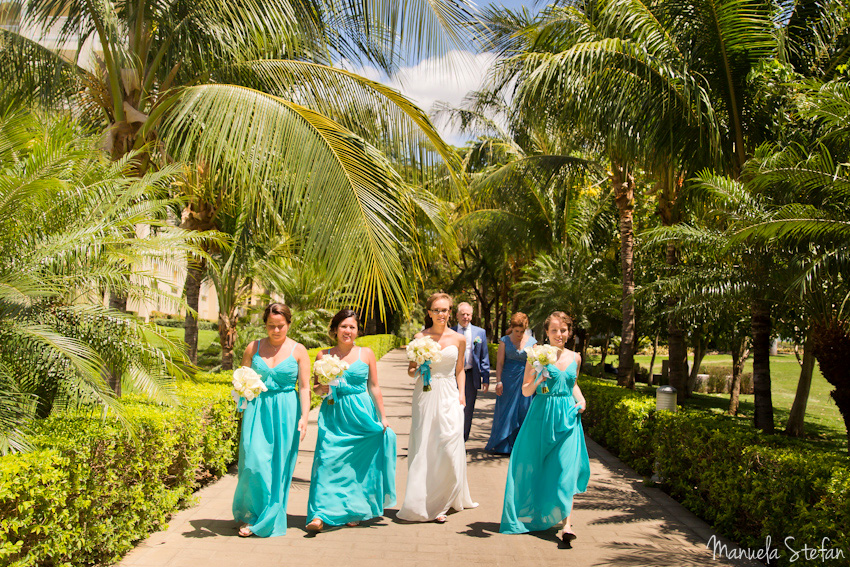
x,y
511,406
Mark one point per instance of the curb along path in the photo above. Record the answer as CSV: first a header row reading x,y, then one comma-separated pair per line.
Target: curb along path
x,y
619,521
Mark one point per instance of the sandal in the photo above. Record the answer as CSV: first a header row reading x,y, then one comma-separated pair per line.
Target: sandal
x,y
316,526
441,519
352,524
568,537
245,531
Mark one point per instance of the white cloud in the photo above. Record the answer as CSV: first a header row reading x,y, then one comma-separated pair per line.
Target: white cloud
x,y
446,79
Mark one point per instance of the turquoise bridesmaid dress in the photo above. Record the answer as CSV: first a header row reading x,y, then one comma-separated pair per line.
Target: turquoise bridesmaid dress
x,y
549,463
511,406
268,449
353,476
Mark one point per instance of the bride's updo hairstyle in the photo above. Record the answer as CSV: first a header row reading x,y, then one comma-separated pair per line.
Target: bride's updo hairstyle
x,y
341,316
560,315
428,304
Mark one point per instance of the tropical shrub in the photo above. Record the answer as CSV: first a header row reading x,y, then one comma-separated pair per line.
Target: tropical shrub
x,y
91,487
69,222
747,485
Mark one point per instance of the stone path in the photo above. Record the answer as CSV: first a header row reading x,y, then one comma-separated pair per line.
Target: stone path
x,y
619,521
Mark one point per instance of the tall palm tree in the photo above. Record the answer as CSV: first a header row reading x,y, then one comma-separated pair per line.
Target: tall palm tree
x,y
249,90
670,79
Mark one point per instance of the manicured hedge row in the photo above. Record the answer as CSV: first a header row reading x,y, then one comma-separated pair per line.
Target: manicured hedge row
x,y
91,490
747,485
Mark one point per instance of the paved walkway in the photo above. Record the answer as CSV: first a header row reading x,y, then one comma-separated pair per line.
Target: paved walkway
x,y
619,521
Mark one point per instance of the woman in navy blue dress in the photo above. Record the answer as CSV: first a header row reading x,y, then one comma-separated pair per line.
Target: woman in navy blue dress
x,y
511,405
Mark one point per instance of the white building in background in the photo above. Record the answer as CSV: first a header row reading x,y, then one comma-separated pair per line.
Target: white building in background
x,y
170,279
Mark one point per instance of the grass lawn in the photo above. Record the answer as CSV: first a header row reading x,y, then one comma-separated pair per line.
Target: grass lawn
x,y
205,337
823,421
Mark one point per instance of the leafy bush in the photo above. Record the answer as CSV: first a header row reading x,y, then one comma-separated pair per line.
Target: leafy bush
x,y
720,380
91,489
177,322
746,484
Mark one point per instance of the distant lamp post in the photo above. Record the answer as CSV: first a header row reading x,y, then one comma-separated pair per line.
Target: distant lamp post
x,y
665,400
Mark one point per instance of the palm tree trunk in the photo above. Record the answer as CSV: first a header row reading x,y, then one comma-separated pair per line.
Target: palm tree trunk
x,y
699,355
739,357
227,338
624,194
605,349
794,427
831,348
760,326
678,351
652,360
192,291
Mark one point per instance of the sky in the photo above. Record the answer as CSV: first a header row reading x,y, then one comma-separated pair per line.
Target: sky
x,y
447,79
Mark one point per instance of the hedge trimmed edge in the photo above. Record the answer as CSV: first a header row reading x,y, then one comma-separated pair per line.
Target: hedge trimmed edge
x,y
91,490
747,485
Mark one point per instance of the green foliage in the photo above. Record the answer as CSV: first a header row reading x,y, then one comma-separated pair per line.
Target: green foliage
x,y
91,489
746,484
68,233
178,322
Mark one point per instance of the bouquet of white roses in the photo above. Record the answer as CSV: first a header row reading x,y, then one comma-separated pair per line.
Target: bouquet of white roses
x,y
247,385
329,369
424,352
541,356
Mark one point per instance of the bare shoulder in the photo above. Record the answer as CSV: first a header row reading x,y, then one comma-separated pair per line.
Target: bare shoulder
x,y
419,335
577,357
299,350
457,338
366,354
252,348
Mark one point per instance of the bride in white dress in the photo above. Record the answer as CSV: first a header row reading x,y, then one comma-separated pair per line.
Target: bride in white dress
x,y
436,476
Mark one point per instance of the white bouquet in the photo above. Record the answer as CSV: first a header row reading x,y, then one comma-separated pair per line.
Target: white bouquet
x,y
540,356
329,369
247,385
424,352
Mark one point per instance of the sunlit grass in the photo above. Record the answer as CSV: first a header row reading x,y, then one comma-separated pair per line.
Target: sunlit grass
x,y
823,420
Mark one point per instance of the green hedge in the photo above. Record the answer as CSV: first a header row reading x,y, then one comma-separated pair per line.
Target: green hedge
x,y
91,490
747,485
178,322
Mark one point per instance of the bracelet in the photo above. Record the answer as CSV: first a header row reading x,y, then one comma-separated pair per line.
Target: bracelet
x,y
498,383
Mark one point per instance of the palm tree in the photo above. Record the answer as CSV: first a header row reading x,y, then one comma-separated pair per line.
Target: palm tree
x,y
68,218
248,90
531,191
812,223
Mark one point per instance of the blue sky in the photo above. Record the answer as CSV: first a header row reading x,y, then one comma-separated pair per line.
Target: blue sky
x,y
445,79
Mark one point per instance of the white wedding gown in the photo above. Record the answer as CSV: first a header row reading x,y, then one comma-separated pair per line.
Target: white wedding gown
x,y
436,474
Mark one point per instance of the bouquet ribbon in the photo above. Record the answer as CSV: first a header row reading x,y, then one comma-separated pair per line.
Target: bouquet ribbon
x,y
425,371
541,370
333,384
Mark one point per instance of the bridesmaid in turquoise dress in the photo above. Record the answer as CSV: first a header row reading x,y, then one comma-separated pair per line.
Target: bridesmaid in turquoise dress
x,y
353,476
273,424
511,405
549,463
